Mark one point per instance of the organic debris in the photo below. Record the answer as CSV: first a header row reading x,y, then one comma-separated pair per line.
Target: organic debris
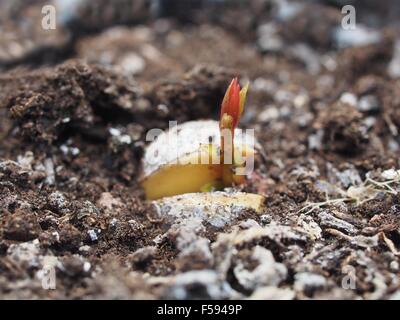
x,y
318,217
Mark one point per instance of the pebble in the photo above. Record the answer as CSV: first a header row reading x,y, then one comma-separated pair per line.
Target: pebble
x,y
268,272
50,172
307,281
360,36
132,63
315,140
394,266
368,103
84,248
269,114
349,98
58,202
329,221
86,266
119,137
268,38
25,253
26,160
394,65
92,234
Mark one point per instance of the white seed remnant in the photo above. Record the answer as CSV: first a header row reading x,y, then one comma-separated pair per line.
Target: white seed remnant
x,y
186,139
217,208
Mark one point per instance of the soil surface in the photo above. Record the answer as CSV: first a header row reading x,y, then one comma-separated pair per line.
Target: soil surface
x,y
76,103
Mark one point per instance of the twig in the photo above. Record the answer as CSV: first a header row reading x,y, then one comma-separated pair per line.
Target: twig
x,y
390,244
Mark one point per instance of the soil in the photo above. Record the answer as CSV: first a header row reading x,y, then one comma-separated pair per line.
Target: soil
x,y
325,113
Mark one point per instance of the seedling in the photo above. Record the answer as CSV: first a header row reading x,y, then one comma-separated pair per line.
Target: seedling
x,y
199,156
231,110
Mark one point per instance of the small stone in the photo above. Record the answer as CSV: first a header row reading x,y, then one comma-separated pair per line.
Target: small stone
x,y
84,248
26,160
308,282
56,236
301,100
268,38
113,222
390,174
25,253
269,114
369,122
315,140
93,235
200,284
69,150
309,225
395,296
132,63
265,219
394,65
163,109
368,103
120,138
268,272
307,55
58,202
261,84
346,178
50,172
329,221
86,266
360,36
272,293
393,145
304,119
107,201
394,266
349,98
248,224
144,255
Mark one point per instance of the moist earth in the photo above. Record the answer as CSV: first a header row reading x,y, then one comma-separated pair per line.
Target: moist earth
x,y
76,104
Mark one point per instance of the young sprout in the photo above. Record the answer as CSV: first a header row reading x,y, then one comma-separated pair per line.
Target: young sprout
x,y
231,110
202,155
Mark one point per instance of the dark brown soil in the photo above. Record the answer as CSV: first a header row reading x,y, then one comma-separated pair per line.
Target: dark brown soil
x,y
327,118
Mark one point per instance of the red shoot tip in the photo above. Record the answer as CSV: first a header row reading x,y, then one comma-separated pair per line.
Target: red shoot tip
x,y
232,105
231,110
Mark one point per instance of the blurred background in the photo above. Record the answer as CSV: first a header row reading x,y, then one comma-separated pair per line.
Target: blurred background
x,y
163,36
